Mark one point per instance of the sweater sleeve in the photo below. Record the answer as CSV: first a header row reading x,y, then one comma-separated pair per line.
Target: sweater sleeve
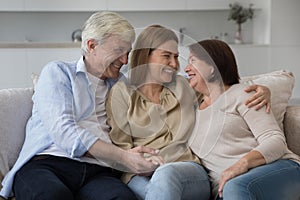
x,y
271,140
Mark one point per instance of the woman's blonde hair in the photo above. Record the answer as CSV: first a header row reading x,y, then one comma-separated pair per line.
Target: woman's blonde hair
x,y
102,25
148,40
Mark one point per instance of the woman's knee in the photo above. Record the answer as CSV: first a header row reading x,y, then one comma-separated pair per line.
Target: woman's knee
x,y
180,174
171,172
183,169
237,188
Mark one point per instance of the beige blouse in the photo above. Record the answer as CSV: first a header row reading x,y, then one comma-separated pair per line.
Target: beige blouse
x,y
136,121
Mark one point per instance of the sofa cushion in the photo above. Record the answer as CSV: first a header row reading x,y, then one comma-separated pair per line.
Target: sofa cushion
x,y
281,84
15,109
292,128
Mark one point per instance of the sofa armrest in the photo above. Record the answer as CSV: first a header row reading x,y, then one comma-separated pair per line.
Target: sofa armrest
x,y
292,128
15,109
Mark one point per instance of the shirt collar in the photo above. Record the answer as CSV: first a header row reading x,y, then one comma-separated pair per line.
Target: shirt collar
x,y
81,66
91,78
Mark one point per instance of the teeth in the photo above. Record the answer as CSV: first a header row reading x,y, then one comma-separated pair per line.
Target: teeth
x,y
117,66
191,75
168,71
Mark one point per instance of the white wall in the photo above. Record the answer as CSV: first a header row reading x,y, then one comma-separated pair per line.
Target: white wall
x,y
285,38
58,26
276,33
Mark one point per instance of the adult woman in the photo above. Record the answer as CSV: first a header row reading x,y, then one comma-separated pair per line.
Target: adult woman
x,y
150,112
156,110
246,159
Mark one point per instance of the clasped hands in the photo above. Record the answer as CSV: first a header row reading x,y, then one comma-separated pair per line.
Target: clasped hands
x,y
144,160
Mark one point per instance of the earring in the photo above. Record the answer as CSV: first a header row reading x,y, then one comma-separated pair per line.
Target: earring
x,y
212,75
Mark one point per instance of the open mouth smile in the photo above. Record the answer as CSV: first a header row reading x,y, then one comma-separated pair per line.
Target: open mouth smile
x,y
117,66
191,75
169,70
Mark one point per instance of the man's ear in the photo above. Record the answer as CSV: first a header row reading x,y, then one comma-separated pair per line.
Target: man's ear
x,y
91,44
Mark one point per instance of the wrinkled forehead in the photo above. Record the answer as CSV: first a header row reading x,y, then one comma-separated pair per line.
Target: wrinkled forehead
x,y
127,36
117,42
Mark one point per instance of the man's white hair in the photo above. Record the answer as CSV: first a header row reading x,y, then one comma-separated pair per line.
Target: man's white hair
x,y
102,25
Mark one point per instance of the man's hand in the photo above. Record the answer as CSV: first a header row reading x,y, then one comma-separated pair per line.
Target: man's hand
x,y
142,160
261,97
139,160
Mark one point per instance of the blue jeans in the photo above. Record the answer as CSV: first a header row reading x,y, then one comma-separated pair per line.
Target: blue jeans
x,y
50,177
277,181
173,181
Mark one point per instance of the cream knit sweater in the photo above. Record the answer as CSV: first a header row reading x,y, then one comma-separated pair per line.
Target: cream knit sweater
x,y
227,130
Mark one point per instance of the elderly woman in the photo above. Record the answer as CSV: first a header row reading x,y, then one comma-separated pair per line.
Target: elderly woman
x,y
244,151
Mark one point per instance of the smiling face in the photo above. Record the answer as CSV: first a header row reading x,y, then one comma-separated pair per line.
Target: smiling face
x,y
163,63
199,73
105,60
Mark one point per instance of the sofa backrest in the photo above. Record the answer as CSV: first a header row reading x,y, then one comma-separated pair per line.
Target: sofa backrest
x,y
292,128
15,109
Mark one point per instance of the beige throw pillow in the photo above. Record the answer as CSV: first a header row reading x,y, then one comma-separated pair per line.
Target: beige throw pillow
x,y
281,84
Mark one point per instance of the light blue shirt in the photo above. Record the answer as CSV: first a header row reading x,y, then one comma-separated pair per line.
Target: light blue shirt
x,y
63,97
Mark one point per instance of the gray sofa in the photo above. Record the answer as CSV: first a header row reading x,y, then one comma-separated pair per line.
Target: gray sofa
x,y
16,105
15,109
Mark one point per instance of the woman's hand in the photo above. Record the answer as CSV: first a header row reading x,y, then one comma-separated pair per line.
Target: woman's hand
x,y
250,160
133,160
261,97
238,168
142,160
156,160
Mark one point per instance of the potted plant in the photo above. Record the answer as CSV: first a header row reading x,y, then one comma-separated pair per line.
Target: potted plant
x,y
240,15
